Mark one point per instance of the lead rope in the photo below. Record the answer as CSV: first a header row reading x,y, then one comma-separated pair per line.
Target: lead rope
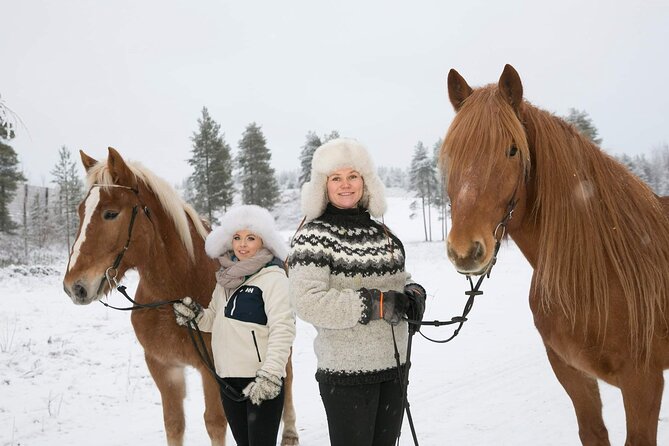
x,y
198,342
229,391
499,233
110,276
404,385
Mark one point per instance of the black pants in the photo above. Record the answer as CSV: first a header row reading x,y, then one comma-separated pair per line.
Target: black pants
x,y
253,425
365,415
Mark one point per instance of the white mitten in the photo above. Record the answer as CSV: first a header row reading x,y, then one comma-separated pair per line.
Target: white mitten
x,y
187,310
266,386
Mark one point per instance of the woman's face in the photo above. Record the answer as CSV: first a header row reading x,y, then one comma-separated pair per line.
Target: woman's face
x,y
345,188
245,244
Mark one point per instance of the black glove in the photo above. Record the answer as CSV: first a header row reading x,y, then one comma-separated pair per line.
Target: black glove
x,y
388,305
416,294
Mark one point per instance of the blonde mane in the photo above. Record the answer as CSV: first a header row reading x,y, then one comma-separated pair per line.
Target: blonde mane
x,y
597,222
178,210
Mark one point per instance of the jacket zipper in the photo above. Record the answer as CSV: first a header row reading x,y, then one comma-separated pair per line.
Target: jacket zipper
x,y
253,333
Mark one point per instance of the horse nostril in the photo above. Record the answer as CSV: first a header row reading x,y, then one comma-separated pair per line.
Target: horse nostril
x,y
451,253
79,291
478,251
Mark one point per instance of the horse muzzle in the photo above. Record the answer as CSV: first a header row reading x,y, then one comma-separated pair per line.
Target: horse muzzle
x,y
470,258
81,292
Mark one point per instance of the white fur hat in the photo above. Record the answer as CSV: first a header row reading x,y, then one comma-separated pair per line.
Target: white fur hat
x,y
338,154
251,218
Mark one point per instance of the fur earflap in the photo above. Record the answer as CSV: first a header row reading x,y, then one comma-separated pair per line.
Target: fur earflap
x,y
251,218
337,154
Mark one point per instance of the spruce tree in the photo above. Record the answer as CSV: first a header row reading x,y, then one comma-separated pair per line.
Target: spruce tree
x,y
36,230
10,175
41,226
440,196
313,142
332,135
583,124
259,185
70,192
7,120
660,168
423,182
653,172
393,176
307,153
641,167
211,180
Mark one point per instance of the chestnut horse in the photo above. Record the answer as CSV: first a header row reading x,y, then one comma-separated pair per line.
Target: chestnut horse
x,y
595,235
165,243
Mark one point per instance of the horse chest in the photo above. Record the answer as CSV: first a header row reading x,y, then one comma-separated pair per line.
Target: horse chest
x,y
582,349
155,328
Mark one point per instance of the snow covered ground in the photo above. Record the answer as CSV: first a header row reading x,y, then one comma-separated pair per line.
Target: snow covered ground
x,y
72,375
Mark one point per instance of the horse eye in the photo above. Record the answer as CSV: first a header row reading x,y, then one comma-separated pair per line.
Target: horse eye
x,y
109,215
512,151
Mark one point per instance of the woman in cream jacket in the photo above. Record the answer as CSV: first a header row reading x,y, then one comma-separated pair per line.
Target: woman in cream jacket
x,y
251,321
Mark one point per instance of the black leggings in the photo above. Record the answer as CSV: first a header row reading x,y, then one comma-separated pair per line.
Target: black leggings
x,y
365,415
253,425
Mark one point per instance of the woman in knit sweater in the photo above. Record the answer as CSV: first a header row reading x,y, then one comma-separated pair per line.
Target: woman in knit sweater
x,y
251,321
347,278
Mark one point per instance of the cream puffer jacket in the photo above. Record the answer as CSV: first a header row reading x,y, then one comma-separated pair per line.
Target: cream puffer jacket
x,y
253,327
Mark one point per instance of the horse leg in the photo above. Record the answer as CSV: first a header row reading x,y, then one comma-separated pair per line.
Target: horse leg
x,y
289,435
584,393
642,397
171,383
214,416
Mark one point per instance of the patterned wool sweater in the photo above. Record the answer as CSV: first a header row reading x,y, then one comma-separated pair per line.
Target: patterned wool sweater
x,y
331,258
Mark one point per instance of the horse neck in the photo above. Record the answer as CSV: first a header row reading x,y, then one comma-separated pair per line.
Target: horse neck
x,y
525,233
554,138
592,230
169,271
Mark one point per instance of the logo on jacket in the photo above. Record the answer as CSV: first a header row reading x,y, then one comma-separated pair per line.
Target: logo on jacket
x,y
247,305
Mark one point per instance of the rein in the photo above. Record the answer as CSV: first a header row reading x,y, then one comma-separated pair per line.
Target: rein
x,y
195,336
498,233
110,276
111,272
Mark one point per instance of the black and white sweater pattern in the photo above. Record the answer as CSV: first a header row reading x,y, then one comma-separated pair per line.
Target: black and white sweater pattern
x,y
331,258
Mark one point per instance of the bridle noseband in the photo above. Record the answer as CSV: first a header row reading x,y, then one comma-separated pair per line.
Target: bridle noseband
x,y
193,330
111,273
499,233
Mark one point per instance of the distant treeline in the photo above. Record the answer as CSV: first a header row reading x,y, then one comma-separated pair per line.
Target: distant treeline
x,y
36,218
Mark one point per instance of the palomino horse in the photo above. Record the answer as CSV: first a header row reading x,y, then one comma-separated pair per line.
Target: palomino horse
x,y
164,241
595,235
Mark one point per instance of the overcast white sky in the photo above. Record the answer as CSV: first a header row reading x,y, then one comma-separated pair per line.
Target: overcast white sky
x,y
135,74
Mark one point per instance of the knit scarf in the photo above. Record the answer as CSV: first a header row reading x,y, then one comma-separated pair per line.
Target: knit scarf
x,y
234,272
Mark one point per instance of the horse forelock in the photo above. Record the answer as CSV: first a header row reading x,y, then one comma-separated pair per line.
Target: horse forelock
x,y
480,135
177,209
597,223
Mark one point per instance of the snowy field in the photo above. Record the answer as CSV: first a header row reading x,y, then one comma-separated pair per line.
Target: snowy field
x,y
72,375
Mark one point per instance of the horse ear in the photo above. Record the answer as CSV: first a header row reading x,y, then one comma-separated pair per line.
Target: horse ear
x,y
458,89
511,87
87,161
119,170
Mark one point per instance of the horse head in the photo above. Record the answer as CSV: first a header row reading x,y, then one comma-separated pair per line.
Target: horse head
x,y
486,161
114,231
